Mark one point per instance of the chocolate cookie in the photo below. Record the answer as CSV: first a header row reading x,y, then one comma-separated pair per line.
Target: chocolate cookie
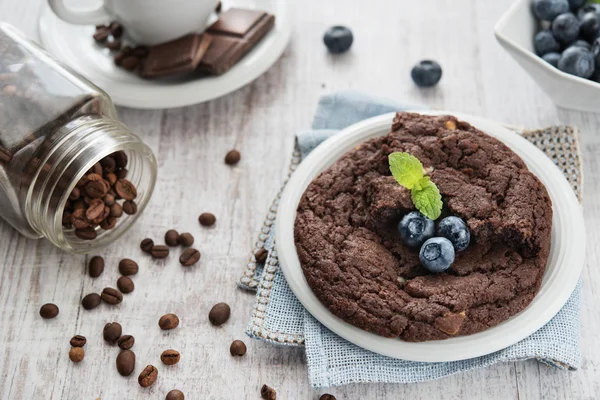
x,y
355,262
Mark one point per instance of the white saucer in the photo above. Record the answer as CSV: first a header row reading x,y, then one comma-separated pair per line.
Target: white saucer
x,y
562,272
73,44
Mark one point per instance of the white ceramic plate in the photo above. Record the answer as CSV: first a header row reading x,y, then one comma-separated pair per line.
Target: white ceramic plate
x,y
73,44
561,276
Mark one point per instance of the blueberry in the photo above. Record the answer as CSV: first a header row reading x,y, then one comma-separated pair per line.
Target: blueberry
x,y
577,61
338,39
552,58
544,42
590,25
426,73
437,254
575,4
586,9
547,10
415,228
565,28
583,44
456,231
596,51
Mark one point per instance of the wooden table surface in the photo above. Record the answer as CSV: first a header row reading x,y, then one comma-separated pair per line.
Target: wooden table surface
x,y
260,120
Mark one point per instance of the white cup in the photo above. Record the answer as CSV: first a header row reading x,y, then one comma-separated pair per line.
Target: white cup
x,y
146,22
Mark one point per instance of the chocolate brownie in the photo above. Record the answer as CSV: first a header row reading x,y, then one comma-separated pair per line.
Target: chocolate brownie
x,y
355,262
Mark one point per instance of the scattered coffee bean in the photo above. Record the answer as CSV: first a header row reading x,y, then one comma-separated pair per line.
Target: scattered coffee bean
x,y
86,234
116,29
130,63
219,314
126,362
78,341
189,257
128,267
160,251
233,157
207,219
130,207
175,395
219,7
172,237
147,245
261,255
111,296
125,284
186,239
91,301
114,44
170,357
116,210
48,311
96,266
101,34
126,342
112,332
148,376
125,189
327,396
268,393
168,321
76,354
237,348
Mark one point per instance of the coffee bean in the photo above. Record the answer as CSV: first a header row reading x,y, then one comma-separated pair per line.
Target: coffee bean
x,y
268,393
75,194
148,376
91,301
128,267
130,207
101,34
96,169
233,157
122,173
186,239
219,314
79,220
111,296
111,178
108,199
219,7
100,218
130,63
49,311
108,164
86,234
79,205
172,237
168,321
108,223
95,189
261,255
116,29
160,251
207,219
114,44
170,357
126,362
327,396
96,266
147,245
125,284
78,341
189,257
125,189
112,332
140,51
116,210
76,354
237,348
175,395
125,342
120,158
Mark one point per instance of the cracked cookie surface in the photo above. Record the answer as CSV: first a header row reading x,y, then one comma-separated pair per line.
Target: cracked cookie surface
x,y
356,264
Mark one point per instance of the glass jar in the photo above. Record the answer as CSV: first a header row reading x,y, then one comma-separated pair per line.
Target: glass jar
x,y
58,134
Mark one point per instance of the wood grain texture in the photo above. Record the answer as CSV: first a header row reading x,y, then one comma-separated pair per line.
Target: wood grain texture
x,y
260,121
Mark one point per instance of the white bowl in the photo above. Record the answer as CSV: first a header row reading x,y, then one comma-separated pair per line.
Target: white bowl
x,y
515,32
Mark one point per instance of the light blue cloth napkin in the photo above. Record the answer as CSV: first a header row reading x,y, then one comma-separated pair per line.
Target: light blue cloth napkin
x,y
278,317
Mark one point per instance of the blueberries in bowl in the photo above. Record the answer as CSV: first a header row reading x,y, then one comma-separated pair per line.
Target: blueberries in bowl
x,y
547,10
589,25
575,4
437,254
565,28
577,61
338,39
426,73
415,228
583,44
545,42
456,231
552,59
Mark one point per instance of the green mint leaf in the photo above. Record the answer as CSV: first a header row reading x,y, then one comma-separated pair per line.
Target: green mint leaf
x,y
406,169
428,199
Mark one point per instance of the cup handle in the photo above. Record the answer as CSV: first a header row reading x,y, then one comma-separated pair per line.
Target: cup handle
x,y
89,17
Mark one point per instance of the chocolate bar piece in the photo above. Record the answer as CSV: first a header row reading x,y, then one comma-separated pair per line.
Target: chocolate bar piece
x,y
175,57
235,33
